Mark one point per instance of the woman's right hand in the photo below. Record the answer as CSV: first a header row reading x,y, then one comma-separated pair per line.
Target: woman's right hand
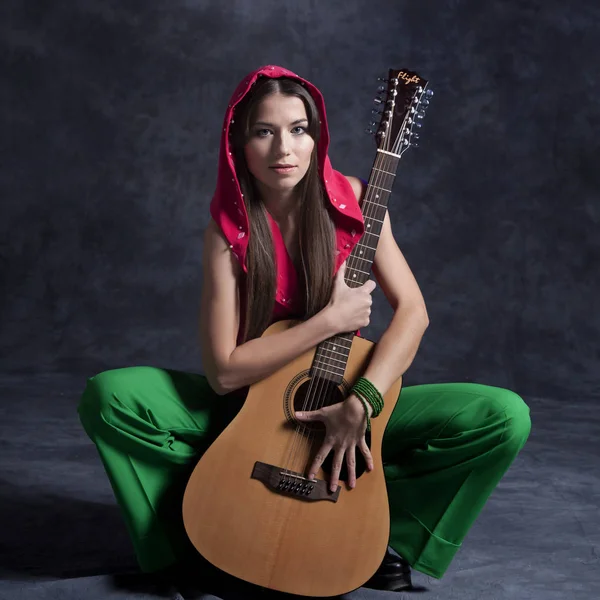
x,y
350,308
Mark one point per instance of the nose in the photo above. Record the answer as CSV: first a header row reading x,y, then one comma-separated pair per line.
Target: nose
x,y
282,144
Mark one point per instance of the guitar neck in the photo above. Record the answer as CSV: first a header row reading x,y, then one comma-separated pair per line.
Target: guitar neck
x,y
374,207
332,354
403,108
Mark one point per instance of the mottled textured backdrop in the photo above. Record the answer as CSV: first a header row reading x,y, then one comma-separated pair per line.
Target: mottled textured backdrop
x,y
110,117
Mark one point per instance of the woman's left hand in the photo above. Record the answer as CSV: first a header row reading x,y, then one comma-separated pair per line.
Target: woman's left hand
x,y
345,425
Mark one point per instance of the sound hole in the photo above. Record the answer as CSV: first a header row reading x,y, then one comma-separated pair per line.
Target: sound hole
x,y
312,395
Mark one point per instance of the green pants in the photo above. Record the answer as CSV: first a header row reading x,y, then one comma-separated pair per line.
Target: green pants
x,y
445,448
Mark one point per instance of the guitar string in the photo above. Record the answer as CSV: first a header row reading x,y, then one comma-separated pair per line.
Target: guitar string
x,y
396,148
325,355
299,439
385,178
310,397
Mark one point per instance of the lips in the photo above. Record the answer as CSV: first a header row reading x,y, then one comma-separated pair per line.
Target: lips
x,y
282,166
283,170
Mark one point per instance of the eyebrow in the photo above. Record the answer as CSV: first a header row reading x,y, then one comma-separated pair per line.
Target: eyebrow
x,y
271,124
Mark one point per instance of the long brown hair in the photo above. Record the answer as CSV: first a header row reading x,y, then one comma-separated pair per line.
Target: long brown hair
x,y
316,228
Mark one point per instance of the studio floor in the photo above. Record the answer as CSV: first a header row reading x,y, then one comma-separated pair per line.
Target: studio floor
x,y
538,537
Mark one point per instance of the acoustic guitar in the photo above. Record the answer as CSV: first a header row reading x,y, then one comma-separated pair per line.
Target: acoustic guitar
x,y
249,507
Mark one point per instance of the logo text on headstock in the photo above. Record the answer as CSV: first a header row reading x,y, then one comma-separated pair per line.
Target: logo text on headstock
x,y
408,78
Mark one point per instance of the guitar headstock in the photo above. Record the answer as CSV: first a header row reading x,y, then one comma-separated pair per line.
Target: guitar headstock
x,y
402,108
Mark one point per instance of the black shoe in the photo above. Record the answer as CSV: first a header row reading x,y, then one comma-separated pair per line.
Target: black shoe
x,y
393,575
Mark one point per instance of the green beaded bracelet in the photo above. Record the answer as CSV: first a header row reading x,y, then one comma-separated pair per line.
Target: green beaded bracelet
x,y
371,394
365,391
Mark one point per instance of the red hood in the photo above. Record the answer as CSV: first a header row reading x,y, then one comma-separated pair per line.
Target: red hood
x,y
227,207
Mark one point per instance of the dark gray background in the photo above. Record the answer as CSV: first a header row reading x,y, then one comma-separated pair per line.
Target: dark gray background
x,y
111,116
110,123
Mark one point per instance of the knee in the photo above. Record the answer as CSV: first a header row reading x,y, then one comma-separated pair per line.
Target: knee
x,y
518,420
99,396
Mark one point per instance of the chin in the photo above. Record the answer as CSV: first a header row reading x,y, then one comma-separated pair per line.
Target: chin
x,y
283,183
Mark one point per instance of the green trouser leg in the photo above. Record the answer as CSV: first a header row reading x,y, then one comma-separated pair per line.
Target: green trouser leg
x,y
150,427
445,449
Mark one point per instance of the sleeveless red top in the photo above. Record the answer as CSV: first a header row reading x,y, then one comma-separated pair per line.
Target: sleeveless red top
x,y
227,206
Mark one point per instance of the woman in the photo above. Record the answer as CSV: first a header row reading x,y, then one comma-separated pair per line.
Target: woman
x,y
283,223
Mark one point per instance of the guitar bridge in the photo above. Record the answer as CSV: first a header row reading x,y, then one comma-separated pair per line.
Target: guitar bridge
x,y
293,484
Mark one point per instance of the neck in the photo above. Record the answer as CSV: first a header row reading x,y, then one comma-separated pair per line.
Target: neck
x,y
282,206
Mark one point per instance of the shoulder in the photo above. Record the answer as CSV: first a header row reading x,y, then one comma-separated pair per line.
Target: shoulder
x,y
214,236
358,186
216,250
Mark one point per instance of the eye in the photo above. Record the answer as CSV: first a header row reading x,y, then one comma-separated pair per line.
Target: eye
x,y
259,132
300,127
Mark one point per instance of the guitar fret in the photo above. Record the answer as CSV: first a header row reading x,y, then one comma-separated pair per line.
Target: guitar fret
x,y
322,360
380,188
339,337
340,353
359,270
358,257
366,245
333,372
384,171
337,352
372,232
373,202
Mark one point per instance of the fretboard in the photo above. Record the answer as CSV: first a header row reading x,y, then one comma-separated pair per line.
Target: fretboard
x,y
332,354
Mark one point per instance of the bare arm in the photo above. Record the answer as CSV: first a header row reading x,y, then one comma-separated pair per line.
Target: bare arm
x,y
396,350
227,366
260,357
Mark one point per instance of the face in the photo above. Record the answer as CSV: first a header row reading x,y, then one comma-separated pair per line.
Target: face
x,y
279,136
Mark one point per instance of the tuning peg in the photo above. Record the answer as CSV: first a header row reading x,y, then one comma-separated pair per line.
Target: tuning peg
x,y
429,93
414,144
415,136
382,79
425,102
369,131
381,89
378,100
417,124
376,112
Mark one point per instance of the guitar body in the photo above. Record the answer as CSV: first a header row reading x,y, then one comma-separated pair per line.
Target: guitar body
x,y
289,541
